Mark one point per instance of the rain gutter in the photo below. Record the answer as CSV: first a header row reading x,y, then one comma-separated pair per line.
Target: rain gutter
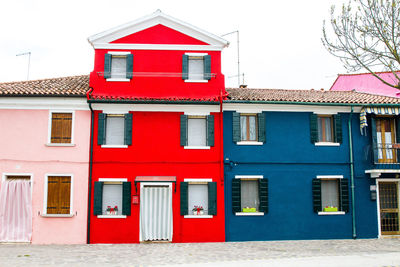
x,y
90,167
353,209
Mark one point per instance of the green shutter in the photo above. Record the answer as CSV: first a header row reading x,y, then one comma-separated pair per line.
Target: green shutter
x,y
263,194
185,67
316,193
314,128
261,127
207,67
184,122
374,139
236,196
129,66
98,198
344,195
128,129
184,198
101,129
397,137
212,198
236,127
107,66
210,130
126,198
338,128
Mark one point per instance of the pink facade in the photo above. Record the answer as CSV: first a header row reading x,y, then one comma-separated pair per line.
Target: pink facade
x,y
366,83
26,151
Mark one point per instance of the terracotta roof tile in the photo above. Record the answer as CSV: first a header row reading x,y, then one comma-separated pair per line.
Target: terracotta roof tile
x,y
64,86
311,96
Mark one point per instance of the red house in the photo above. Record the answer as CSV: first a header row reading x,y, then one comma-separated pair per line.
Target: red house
x,y
156,168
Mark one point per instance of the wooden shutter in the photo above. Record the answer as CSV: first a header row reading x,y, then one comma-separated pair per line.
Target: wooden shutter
x,y
210,130
212,198
338,128
98,198
101,129
185,67
207,67
107,66
374,139
184,126
261,127
316,193
58,195
344,194
184,198
129,66
263,194
314,128
61,128
126,198
236,127
128,129
236,195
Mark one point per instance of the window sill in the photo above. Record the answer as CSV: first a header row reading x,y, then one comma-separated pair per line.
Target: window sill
x,y
327,144
196,81
118,80
196,147
249,213
111,216
249,143
57,215
198,216
114,146
60,144
331,213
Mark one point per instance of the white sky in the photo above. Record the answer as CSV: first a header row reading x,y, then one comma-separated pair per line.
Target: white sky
x,y
280,41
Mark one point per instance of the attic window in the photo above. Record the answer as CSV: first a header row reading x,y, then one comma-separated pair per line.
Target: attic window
x,y
118,66
196,67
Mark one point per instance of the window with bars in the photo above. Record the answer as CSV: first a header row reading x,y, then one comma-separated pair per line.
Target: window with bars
x,y
61,128
58,195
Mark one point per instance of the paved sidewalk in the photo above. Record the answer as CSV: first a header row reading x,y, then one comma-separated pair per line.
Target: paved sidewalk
x,y
367,252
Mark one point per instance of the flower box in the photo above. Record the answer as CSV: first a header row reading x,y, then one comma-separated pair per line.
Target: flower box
x,y
330,209
249,210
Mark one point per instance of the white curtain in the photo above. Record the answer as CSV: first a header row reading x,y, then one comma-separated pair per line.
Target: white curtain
x,y
196,69
156,213
115,130
198,196
15,211
330,193
118,67
197,132
249,194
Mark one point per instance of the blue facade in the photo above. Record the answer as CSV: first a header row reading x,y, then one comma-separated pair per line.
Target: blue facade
x,y
290,161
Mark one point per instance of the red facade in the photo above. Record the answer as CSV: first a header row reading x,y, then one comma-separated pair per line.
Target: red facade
x,y
156,97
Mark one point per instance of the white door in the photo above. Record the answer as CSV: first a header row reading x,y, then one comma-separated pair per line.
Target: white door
x,y
156,212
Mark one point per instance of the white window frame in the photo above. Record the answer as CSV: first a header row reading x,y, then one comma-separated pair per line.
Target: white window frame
x,y
249,177
112,180
249,143
333,132
196,55
105,130
71,199
331,177
202,114
118,53
49,143
198,181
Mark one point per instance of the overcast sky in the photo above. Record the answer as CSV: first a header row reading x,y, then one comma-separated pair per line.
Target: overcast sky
x,y
280,41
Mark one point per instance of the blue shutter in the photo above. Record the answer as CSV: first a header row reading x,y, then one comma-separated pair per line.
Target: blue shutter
x,y
236,127
184,198
261,127
101,129
98,198
107,66
338,128
212,198
126,198
128,129
185,67
314,128
210,130
184,123
207,67
129,66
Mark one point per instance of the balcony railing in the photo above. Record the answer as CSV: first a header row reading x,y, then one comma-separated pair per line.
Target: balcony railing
x,y
386,156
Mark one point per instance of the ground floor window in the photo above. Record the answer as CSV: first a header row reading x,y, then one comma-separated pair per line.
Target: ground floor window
x,y
330,194
112,197
58,199
198,197
250,195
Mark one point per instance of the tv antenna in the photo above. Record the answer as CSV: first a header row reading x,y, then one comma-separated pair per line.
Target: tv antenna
x,y
29,61
238,61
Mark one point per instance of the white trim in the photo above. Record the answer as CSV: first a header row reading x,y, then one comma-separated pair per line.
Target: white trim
x,y
376,173
114,146
249,213
326,112
326,144
50,125
197,113
52,103
329,177
45,191
57,215
111,216
118,80
331,213
125,108
118,53
198,216
196,147
249,143
208,180
249,177
158,47
60,144
378,201
196,54
196,81
113,179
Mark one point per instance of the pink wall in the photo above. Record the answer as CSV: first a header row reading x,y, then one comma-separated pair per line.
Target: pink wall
x,y
24,150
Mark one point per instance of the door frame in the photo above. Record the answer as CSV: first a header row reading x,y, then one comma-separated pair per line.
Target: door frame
x,y
378,202
142,184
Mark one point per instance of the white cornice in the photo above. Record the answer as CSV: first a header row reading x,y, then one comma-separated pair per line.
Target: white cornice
x,y
158,47
187,109
64,103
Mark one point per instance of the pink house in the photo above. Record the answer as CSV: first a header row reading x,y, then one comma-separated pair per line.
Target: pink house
x,y
367,83
44,160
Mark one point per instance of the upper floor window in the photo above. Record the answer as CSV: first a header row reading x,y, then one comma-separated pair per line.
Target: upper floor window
x,y
118,66
248,128
385,133
115,130
60,128
197,131
196,67
326,129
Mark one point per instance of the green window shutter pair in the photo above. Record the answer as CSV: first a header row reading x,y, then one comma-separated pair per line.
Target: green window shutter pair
x,y
212,198
374,139
343,195
337,128
101,129
262,190
98,198
261,122
210,130
207,67
108,62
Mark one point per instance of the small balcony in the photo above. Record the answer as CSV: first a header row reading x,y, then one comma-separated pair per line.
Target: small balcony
x,y
385,155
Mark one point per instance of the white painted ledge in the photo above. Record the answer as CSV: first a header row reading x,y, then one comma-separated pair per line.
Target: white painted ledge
x,y
196,147
57,215
249,213
111,216
118,80
114,146
327,144
249,143
196,81
331,213
60,144
198,216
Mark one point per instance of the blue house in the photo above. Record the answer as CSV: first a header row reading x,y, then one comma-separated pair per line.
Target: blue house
x,y
297,165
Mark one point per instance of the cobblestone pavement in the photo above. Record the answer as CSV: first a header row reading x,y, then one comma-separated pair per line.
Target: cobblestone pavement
x,y
203,254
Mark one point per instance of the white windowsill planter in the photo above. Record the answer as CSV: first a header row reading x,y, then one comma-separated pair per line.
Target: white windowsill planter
x,y
117,80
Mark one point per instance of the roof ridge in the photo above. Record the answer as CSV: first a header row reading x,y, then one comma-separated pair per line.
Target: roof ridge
x,y
365,73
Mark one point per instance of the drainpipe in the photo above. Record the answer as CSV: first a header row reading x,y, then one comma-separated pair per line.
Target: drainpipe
x,y
221,138
90,165
353,209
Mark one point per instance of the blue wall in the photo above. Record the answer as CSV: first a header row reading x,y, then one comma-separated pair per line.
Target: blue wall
x,y
290,161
